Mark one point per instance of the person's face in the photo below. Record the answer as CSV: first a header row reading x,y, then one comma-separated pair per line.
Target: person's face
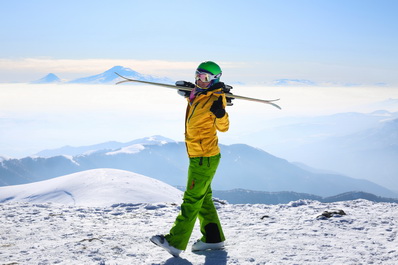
x,y
203,80
200,83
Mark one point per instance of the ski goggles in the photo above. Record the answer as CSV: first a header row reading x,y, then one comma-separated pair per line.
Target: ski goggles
x,y
205,77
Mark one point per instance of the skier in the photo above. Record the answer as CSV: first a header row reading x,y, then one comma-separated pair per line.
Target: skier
x,y
205,115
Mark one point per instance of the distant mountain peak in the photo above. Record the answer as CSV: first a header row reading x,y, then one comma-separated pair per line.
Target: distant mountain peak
x,y
293,82
109,76
120,68
50,78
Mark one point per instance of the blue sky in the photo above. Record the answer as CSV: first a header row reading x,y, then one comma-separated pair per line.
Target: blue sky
x,y
338,41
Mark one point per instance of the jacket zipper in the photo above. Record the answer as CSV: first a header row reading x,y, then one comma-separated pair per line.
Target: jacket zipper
x,y
190,116
206,102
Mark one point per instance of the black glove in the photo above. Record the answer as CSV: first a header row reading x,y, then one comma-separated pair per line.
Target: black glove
x,y
184,93
217,108
225,89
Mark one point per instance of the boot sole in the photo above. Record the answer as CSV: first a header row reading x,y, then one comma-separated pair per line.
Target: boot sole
x,y
159,245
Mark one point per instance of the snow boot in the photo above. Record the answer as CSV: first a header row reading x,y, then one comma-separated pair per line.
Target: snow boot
x,y
201,246
161,241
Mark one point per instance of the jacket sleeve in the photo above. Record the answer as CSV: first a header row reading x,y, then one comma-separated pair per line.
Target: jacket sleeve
x,y
222,124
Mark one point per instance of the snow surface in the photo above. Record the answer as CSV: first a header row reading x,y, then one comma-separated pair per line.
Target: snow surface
x,y
256,234
97,187
106,216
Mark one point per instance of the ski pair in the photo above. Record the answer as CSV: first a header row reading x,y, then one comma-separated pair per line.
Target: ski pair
x,y
227,93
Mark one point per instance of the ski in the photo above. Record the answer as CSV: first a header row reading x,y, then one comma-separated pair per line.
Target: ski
x,y
227,93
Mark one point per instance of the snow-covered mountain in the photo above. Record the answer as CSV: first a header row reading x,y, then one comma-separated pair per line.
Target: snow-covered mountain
x,y
50,78
97,187
109,76
241,166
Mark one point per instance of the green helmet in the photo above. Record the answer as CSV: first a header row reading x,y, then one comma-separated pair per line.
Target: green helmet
x,y
211,68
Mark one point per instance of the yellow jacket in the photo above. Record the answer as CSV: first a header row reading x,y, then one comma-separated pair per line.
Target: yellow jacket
x,y
201,125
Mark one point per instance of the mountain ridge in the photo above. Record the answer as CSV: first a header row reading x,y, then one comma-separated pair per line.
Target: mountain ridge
x,y
73,151
243,196
242,166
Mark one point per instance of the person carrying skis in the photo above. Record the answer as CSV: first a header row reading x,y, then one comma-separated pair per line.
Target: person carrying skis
x,y
205,116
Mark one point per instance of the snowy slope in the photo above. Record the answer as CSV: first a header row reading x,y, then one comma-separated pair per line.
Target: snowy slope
x,y
97,187
256,234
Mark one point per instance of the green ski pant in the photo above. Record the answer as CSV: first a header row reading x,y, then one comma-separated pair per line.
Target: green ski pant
x,y
198,203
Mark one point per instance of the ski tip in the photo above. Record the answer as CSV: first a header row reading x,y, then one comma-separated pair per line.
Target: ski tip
x,y
275,105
